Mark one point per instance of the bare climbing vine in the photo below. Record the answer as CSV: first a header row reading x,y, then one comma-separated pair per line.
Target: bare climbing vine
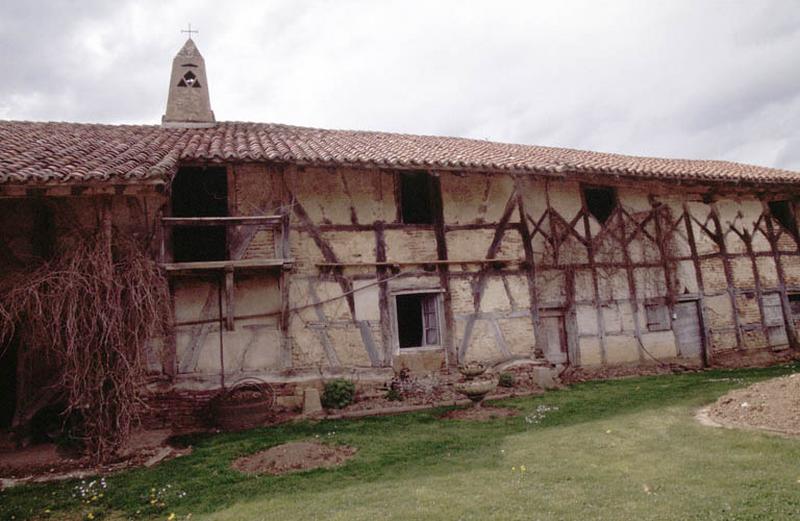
x,y
88,315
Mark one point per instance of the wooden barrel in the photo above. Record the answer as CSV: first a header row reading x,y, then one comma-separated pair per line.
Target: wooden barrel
x,y
246,405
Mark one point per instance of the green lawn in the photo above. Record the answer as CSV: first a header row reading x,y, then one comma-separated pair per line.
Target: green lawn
x,y
625,449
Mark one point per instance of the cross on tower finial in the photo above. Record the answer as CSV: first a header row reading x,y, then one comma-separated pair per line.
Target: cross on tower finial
x,y
189,31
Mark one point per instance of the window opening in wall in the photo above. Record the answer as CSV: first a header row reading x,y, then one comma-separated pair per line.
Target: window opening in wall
x,y
782,212
417,320
600,201
657,317
794,304
200,192
416,198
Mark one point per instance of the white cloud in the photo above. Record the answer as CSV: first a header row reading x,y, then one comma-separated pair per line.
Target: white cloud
x,y
680,78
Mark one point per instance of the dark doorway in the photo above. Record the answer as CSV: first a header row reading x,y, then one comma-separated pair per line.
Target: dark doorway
x,y
8,382
200,192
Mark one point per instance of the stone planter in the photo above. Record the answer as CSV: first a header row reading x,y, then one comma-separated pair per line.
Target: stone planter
x,y
472,369
476,390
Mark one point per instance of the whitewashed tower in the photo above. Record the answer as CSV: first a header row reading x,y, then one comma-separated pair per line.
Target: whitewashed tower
x,y
188,104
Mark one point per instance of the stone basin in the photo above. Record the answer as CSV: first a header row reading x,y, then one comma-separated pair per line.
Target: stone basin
x,y
472,369
476,390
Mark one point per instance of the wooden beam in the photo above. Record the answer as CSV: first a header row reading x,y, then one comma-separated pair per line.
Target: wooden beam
x,y
230,301
530,271
437,207
220,221
500,260
225,264
726,265
590,251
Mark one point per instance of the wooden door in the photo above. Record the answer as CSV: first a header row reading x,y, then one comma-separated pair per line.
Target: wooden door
x,y
773,320
555,336
688,329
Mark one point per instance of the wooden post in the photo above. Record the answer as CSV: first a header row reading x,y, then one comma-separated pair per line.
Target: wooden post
x,y
106,230
230,301
726,265
221,335
286,252
530,268
776,256
701,289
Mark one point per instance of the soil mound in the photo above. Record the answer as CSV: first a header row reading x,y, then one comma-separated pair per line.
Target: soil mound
x,y
480,413
292,457
772,405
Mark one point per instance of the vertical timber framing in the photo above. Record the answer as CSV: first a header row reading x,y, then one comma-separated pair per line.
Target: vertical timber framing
x,y
719,237
530,264
776,253
382,273
480,279
590,245
706,353
624,242
451,355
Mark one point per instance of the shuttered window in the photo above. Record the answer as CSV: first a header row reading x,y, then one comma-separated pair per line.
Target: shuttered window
x,y
657,317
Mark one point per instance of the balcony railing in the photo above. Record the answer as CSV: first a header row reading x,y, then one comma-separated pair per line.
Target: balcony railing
x,y
278,223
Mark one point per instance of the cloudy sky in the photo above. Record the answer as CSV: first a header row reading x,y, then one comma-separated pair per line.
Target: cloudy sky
x,y
710,79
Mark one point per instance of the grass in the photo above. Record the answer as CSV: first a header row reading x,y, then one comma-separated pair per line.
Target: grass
x,y
624,449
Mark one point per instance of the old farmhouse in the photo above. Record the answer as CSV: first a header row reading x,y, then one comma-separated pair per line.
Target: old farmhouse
x,y
295,254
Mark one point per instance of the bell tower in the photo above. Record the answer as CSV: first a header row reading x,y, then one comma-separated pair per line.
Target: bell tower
x,y
188,104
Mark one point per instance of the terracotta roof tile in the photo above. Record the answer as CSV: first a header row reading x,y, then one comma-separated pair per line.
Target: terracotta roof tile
x,y
71,153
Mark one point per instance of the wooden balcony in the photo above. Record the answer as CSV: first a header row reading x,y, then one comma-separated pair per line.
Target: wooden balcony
x,y
279,224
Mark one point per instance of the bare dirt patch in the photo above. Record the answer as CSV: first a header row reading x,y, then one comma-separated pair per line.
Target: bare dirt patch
x,y
293,457
480,413
773,405
46,462
573,375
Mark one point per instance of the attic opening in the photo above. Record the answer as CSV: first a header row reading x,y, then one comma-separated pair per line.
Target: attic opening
x,y
417,320
189,80
782,212
600,201
200,192
416,198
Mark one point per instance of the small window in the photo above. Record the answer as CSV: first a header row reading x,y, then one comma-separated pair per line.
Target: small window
x,y
601,201
418,320
416,198
657,317
782,212
189,80
794,304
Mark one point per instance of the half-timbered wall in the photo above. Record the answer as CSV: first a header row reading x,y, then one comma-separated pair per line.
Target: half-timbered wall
x,y
517,266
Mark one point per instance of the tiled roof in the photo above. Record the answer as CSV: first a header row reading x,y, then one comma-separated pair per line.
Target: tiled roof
x,y
72,153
